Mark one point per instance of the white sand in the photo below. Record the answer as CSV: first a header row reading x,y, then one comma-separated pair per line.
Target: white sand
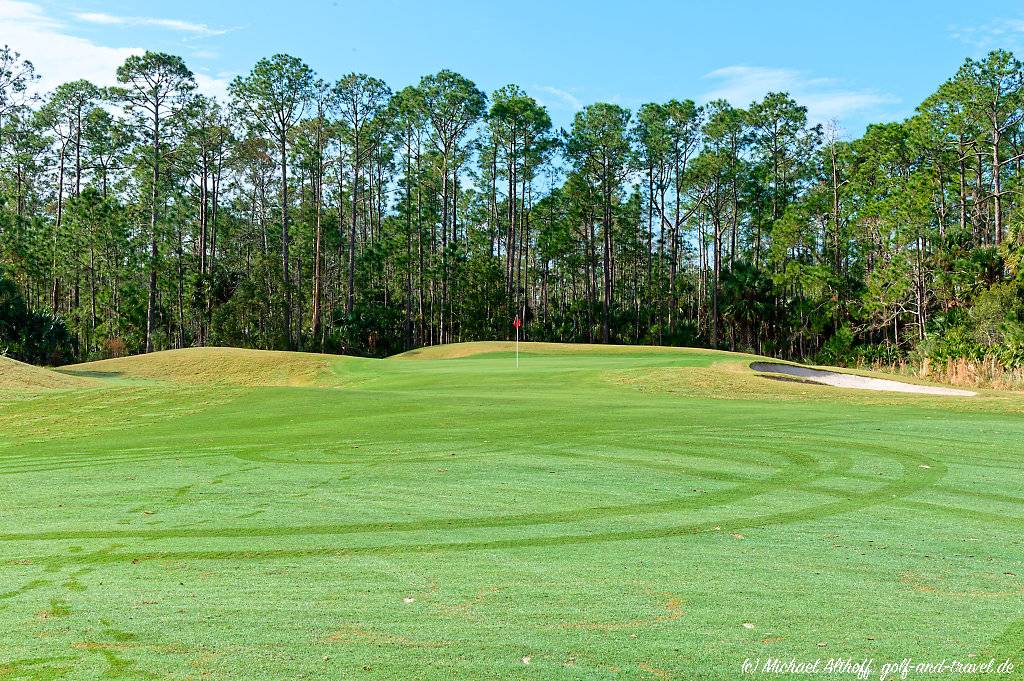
x,y
840,380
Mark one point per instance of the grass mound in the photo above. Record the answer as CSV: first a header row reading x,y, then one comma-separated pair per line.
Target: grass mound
x,y
15,375
460,350
221,366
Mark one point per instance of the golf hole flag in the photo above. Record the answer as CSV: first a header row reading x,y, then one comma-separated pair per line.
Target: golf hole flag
x,y
517,323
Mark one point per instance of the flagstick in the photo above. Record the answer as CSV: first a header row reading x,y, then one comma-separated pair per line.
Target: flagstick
x,y
517,323
517,334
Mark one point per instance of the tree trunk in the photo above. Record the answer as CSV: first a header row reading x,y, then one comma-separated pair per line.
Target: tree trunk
x,y
285,250
153,217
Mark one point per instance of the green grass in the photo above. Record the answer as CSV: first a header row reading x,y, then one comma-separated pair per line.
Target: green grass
x,y
599,513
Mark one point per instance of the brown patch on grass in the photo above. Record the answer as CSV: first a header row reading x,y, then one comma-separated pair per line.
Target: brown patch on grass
x,y
655,671
919,584
354,634
95,645
914,581
132,645
769,640
673,611
204,660
466,608
58,608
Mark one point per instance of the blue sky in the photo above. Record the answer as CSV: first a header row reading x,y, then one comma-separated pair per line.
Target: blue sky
x,y
854,62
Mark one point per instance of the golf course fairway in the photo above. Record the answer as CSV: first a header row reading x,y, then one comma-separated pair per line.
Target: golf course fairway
x,y
601,512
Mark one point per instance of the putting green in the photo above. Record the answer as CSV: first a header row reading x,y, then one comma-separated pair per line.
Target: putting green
x,y
601,512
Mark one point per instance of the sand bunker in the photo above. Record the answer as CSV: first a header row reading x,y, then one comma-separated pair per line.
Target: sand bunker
x,y
840,380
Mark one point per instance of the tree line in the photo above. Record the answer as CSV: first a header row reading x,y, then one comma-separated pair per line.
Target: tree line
x,y
342,216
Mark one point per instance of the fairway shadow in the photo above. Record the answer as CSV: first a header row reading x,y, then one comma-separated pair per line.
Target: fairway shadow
x,y
91,374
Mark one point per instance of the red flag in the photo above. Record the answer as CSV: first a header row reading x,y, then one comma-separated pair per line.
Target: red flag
x,y
517,323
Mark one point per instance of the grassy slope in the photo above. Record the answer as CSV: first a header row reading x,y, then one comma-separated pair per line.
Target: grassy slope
x,y
15,375
601,513
461,350
223,366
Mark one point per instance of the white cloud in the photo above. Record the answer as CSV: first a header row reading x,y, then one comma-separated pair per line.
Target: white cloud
x,y
999,33
214,86
57,56
825,98
60,57
170,24
567,99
